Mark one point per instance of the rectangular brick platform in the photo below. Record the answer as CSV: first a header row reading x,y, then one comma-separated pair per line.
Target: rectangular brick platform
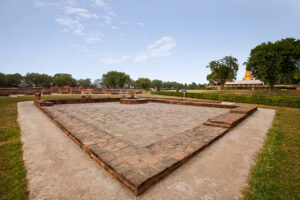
x,y
141,166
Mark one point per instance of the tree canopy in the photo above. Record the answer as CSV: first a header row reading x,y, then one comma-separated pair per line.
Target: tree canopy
x,y
86,83
223,70
144,83
275,63
114,79
63,80
3,81
156,83
14,80
38,80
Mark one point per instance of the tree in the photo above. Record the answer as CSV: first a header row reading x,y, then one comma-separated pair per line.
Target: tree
x,y
84,82
144,83
114,79
223,70
14,80
172,85
156,83
193,86
96,83
3,81
38,80
64,79
275,62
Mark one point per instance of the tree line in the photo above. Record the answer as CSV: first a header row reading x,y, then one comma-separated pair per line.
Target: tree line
x,y
43,80
112,79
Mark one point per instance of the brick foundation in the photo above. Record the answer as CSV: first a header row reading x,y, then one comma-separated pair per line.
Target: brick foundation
x,y
138,168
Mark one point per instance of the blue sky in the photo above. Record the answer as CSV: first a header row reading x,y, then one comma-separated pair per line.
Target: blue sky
x,y
171,40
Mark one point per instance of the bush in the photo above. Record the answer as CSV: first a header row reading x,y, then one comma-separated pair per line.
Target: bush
x,y
252,99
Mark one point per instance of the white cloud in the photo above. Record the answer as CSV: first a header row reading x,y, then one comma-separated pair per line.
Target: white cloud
x,y
107,19
77,28
73,25
140,24
105,6
99,3
93,37
160,48
72,16
80,12
44,4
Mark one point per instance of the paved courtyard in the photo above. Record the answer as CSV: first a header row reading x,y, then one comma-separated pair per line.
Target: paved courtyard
x,y
58,169
140,125
138,144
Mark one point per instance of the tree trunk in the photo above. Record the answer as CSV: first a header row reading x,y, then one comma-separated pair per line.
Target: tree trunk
x,y
222,86
271,88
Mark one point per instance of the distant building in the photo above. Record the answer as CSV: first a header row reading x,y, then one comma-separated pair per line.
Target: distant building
x,y
248,80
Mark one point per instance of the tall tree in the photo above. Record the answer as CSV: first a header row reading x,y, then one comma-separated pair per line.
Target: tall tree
x,y
192,86
156,83
14,80
144,83
114,79
84,82
38,80
63,80
3,81
223,70
276,62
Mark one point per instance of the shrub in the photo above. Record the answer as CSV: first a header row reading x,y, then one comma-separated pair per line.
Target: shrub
x,y
287,101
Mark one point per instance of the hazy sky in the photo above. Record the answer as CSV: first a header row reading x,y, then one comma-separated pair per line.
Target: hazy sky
x,y
160,39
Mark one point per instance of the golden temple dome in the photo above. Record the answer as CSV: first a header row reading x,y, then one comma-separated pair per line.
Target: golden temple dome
x,y
248,76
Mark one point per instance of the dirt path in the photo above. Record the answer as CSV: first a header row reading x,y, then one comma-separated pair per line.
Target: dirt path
x,y
58,169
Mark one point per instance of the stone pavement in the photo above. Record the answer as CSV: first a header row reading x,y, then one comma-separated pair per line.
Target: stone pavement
x,y
137,167
59,169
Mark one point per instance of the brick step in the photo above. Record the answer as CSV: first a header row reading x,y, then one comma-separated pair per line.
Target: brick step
x,y
226,120
208,123
244,110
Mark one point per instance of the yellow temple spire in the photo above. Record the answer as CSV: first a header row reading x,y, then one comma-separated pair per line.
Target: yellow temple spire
x,y
248,76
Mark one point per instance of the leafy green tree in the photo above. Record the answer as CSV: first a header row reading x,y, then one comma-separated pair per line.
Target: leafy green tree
x,y
276,62
14,80
114,79
144,83
156,83
223,70
38,80
168,85
87,83
3,81
63,80
193,86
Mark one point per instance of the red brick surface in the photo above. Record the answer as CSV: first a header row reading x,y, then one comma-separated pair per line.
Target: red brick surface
x,y
140,167
133,101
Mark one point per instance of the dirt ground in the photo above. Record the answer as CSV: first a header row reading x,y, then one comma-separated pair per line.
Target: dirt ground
x,y
58,169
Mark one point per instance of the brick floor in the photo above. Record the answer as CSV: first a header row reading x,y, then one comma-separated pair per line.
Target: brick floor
x,y
140,166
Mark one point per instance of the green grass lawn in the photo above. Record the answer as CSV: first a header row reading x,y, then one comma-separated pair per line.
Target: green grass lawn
x,y
276,174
